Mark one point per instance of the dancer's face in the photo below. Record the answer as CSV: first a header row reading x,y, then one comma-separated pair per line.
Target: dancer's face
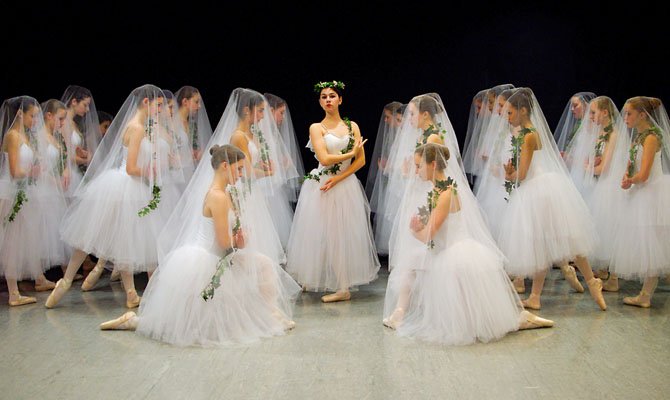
x,y
236,170
156,106
422,168
413,115
193,104
278,114
259,112
329,100
501,105
388,117
398,119
491,100
513,115
577,107
81,107
631,116
170,107
59,119
104,126
478,105
29,116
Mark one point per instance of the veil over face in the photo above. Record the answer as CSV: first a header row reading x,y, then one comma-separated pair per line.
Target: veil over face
x,y
192,126
82,118
279,111
31,191
576,111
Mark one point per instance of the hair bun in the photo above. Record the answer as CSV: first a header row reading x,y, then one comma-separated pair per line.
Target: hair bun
x,y
213,149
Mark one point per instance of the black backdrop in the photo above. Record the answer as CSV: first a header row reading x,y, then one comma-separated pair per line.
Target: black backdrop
x,y
383,52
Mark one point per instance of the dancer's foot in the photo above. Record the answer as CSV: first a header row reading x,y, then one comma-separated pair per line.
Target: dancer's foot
x,y
395,320
15,299
281,317
528,320
92,278
126,322
116,275
642,300
44,285
519,285
611,285
132,299
602,274
62,286
571,276
337,296
596,290
532,302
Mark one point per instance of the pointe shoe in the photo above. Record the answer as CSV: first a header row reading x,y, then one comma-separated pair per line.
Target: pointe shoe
x,y
637,301
338,296
533,305
92,278
596,290
287,323
529,320
132,303
571,276
127,321
44,286
519,285
395,320
20,300
62,286
611,285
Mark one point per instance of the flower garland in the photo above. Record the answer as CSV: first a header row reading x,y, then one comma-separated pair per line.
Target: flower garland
x,y
264,148
330,84
21,198
155,189
431,130
517,142
226,261
61,165
195,143
602,139
637,143
431,202
335,168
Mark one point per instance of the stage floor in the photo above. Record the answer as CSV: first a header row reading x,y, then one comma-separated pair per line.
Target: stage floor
x,y
339,351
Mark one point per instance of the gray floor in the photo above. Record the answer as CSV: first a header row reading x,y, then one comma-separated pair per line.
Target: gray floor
x,y
340,351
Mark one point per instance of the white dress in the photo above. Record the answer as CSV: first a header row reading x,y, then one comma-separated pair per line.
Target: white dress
x,y
52,206
75,173
103,219
642,244
279,206
20,257
459,291
331,245
545,222
254,291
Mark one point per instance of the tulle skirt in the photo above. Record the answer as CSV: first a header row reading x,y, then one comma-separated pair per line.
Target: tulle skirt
x,y
545,222
20,254
461,296
254,295
76,177
53,206
606,205
103,220
641,248
331,245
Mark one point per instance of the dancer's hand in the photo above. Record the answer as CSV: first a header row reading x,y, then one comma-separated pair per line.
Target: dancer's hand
x,y
415,224
510,171
330,183
238,239
626,182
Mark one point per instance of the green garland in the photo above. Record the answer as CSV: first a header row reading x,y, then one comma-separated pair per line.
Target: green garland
x,y
155,189
335,168
517,142
431,202
637,143
60,166
330,84
432,129
602,139
20,199
226,261
195,143
264,148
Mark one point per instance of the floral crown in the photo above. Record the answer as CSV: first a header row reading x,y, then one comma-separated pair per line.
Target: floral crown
x,y
329,84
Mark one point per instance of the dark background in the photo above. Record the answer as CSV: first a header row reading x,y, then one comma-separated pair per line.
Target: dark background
x,y
381,50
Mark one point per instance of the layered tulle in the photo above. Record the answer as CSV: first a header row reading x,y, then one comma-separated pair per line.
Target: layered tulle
x,y
546,221
459,292
331,245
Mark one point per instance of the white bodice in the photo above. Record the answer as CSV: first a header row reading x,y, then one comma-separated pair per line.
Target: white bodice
x,y
206,236
146,154
335,145
53,156
76,139
26,158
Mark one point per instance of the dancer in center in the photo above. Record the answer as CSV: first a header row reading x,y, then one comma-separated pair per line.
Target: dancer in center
x,y
331,247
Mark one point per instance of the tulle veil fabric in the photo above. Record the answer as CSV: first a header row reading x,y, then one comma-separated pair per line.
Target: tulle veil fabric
x,y
574,114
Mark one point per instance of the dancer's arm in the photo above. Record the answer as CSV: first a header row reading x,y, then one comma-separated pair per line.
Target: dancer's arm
x,y
321,151
358,163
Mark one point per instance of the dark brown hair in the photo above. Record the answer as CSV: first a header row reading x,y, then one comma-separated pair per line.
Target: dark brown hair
x,y
227,152
430,152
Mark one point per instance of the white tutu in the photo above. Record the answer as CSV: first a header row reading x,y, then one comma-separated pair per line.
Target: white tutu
x,y
331,245
18,256
103,220
641,248
606,212
459,293
545,222
255,294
